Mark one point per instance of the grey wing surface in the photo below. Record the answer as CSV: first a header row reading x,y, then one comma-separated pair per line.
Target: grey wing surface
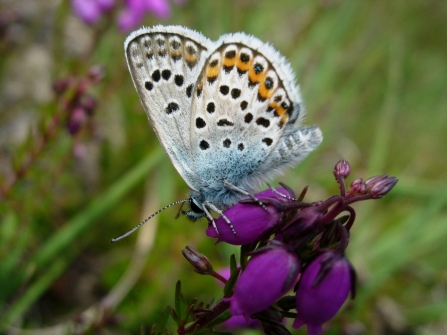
x,y
245,104
164,63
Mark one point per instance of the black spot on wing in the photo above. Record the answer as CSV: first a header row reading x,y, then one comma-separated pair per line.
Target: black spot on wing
x,y
200,123
244,57
204,145
166,74
224,89
211,107
267,141
156,76
148,85
263,122
178,79
224,123
172,107
235,93
230,54
189,90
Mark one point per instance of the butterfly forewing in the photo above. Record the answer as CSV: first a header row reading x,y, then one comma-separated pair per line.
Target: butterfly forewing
x,y
242,104
164,63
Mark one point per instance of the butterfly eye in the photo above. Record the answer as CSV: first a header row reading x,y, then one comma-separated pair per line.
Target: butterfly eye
x,y
195,208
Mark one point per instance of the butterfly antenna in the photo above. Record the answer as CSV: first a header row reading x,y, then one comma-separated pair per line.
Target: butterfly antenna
x,y
147,219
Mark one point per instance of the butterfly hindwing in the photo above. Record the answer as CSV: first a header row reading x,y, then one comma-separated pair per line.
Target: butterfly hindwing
x,y
164,63
244,103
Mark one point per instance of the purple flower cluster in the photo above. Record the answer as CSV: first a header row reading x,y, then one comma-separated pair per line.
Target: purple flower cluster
x,y
90,11
78,104
301,246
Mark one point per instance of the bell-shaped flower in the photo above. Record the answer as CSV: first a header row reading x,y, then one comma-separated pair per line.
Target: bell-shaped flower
x,y
266,278
250,220
322,290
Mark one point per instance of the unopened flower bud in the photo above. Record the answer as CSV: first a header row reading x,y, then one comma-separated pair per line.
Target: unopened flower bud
x,y
383,187
199,261
357,187
374,180
342,169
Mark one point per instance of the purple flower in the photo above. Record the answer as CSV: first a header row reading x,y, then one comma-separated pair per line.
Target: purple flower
x,y
250,220
267,277
322,290
135,10
76,120
91,10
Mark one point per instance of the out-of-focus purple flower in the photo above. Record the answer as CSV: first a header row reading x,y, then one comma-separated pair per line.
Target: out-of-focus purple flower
x,y
135,10
91,10
249,220
76,120
322,290
106,5
267,277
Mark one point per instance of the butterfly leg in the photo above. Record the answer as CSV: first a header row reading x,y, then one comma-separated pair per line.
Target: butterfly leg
x,y
218,211
247,194
280,194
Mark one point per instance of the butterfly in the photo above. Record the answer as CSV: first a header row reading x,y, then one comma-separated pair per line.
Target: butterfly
x,y
227,113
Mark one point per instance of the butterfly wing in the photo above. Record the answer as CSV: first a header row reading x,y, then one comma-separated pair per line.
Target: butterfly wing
x,y
245,106
164,63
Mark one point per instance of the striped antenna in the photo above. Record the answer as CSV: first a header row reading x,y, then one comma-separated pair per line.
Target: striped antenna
x,y
147,219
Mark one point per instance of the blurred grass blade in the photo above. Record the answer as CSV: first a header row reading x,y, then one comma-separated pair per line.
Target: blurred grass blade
x,y
60,241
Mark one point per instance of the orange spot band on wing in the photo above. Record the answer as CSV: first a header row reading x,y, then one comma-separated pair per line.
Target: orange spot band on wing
x,y
264,92
256,78
191,58
212,72
243,67
229,62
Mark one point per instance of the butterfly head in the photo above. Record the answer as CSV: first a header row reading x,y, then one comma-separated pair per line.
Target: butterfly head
x,y
195,211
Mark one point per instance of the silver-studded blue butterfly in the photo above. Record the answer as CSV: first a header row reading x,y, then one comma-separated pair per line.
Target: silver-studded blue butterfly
x,y
227,113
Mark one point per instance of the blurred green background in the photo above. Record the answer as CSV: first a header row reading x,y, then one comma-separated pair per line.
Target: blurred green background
x,y
373,75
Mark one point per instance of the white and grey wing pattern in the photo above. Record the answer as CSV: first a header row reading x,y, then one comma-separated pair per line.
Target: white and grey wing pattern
x,y
164,63
247,109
